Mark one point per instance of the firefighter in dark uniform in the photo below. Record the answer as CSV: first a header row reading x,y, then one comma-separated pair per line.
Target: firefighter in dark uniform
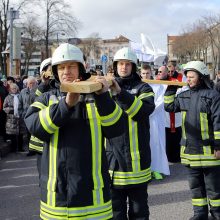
x,y
129,154
200,143
46,84
75,183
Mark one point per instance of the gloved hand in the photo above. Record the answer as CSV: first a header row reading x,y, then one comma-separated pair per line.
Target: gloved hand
x,y
172,88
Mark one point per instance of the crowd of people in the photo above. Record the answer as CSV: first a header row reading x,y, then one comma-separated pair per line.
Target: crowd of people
x,y
127,133
16,96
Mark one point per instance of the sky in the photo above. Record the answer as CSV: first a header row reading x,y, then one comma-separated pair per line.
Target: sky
x,y
154,18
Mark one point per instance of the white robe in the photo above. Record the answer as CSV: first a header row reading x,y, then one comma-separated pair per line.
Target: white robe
x,y
159,160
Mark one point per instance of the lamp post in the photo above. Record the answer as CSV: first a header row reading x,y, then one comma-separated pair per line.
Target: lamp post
x,y
12,14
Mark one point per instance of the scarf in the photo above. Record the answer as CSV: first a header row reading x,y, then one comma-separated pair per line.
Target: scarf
x,y
16,101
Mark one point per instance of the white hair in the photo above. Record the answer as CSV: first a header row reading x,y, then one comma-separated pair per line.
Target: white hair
x,y
31,79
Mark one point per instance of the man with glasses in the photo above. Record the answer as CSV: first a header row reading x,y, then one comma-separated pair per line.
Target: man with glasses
x,y
162,73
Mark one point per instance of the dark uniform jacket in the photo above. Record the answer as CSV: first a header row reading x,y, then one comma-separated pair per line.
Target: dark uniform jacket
x,y
74,171
129,154
35,144
200,109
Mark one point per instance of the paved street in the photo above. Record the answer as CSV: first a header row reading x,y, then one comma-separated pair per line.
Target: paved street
x,y
169,199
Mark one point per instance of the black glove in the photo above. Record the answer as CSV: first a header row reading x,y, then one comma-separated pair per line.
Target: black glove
x,y
172,88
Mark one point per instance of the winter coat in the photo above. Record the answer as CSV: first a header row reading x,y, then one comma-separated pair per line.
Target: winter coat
x,y
26,98
13,123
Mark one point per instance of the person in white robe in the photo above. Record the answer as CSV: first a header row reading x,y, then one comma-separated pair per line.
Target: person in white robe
x,y
159,162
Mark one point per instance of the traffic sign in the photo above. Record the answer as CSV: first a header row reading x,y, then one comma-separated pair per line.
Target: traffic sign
x,y
104,58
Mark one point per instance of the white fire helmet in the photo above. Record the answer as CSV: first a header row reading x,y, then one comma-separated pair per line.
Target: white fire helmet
x,y
197,66
125,54
66,53
45,63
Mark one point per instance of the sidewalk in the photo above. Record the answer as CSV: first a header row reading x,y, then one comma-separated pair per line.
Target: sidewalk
x,y
4,148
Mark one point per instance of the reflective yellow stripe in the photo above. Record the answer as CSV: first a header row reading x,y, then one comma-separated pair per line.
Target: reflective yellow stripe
x,y
134,108
183,124
129,178
207,150
111,118
44,115
145,95
214,202
204,126
36,148
46,121
217,135
103,211
38,92
169,99
96,212
53,100
182,150
35,139
134,145
38,105
198,156
200,163
96,136
51,184
45,216
36,144
200,202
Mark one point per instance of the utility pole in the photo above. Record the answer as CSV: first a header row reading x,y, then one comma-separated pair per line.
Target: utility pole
x,y
12,14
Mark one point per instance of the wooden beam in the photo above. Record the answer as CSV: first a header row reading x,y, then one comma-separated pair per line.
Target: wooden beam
x,y
90,85
87,86
165,82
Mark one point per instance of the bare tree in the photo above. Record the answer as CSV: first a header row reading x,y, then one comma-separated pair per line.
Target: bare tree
x,y
4,28
92,47
32,33
212,23
192,44
59,18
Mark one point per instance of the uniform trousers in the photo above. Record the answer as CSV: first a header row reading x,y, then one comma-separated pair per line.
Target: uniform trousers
x,y
131,203
204,184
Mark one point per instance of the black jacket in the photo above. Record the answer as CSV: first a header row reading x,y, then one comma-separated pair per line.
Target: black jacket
x,y
129,154
35,144
200,110
74,170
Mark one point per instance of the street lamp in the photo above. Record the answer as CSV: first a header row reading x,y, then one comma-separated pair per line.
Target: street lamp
x,y
12,14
